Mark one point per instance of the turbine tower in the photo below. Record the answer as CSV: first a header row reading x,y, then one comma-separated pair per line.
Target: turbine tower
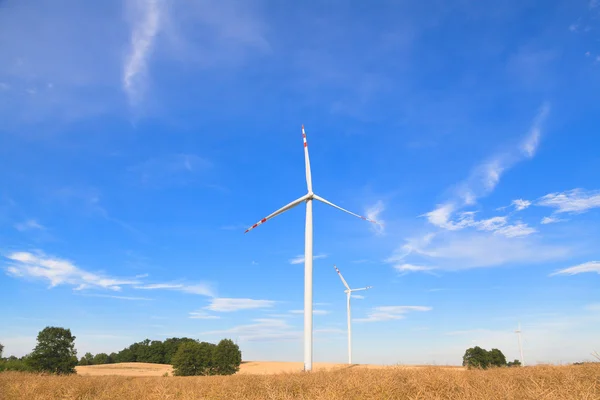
x,y
348,292
308,251
518,332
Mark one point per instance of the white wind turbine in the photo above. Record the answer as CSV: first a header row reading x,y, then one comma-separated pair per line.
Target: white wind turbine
x,y
308,251
518,332
348,292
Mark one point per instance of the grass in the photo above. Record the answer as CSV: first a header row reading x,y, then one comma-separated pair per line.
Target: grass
x,y
544,382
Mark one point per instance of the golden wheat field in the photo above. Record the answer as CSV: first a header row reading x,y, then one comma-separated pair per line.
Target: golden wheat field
x,y
543,382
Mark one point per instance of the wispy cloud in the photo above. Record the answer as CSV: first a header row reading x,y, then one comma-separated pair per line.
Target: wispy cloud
x,y
521,204
551,220
300,259
170,169
223,304
403,268
315,312
388,313
263,329
591,266
374,214
357,296
146,15
485,177
202,315
573,201
60,272
28,225
499,225
110,296
461,250
203,289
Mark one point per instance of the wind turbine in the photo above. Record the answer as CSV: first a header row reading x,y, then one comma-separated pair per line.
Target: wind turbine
x,y
308,251
348,292
518,332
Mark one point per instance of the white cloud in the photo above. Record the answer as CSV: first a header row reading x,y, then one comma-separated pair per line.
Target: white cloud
x,y
109,296
462,250
315,312
146,25
58,272
203,289
521,204
551,220
591,266
202,315
483,180
572,201
373,214
412,268
388,313
222,304
357,296
513,231
300,259
263,329
170,169
532,140
29,225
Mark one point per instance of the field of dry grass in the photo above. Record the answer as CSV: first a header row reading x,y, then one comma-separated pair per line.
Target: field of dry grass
x,y
247,368
568,382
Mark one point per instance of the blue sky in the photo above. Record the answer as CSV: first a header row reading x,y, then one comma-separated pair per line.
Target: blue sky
x,y
139,139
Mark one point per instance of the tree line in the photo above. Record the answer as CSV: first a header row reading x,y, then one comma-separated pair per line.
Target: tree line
x,y
476,357
55,353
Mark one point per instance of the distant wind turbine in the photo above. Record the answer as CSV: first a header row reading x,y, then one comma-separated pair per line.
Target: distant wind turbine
x,y
518,332
348,292
308,251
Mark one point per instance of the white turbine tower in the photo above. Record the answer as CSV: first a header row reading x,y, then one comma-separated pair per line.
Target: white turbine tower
x,y
518,332
308,251
348,292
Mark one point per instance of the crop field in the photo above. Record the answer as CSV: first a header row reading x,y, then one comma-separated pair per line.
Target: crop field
x,y
541,382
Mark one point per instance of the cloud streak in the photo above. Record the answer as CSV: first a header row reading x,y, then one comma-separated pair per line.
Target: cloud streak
x,y
203,289
60,272
146,25
591,266
574,201
390,313
223,304
300,258
29,225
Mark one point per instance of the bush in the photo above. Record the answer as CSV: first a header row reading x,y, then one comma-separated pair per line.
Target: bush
x,y
55,352
227,358
515,363
14,364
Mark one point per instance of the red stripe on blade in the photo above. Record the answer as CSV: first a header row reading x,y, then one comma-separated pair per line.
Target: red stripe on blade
x,y
263,220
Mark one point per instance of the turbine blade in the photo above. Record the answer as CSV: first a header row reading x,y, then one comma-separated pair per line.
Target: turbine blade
x,y
365,288
342,278
307,162
343,209
276,213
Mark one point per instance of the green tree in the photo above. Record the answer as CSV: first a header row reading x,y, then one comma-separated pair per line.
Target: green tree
x,y
515,363
112,358
193,358
89,359
55,351
227,358
101,358
476,357
1,350
156,352
83,361
171,345
496,358
125,355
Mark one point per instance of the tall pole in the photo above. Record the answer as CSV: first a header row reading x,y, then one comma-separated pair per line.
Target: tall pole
x,y
308,286
349,331
520,346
